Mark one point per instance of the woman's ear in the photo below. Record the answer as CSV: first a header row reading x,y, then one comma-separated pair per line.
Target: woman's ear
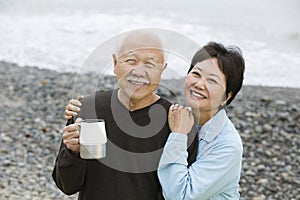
x,y
229,95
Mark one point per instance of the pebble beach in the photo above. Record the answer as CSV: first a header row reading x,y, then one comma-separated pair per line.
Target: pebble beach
x,y
32,104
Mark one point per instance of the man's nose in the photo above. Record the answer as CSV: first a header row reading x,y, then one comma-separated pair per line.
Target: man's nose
x,y
139,70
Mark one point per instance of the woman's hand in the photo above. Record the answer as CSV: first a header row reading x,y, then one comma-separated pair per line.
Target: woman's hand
x,y
180,119
73,108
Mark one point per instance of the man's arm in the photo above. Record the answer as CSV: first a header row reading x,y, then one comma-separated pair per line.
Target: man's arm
x,y
69,170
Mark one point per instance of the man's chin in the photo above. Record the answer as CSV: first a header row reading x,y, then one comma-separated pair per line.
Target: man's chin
x,y
136,95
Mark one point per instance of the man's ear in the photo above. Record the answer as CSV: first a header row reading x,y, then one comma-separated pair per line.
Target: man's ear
x,y
165,66
115,61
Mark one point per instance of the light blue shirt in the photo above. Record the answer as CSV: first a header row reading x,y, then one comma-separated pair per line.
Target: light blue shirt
x,y
216,172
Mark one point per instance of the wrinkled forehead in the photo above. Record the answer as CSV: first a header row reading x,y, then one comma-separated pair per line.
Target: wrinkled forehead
x,y
144,53
141,43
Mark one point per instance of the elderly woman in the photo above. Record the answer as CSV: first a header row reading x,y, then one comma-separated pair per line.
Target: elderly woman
x,y
213,80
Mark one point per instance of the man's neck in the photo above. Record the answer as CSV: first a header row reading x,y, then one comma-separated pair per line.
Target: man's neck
x,y
136,104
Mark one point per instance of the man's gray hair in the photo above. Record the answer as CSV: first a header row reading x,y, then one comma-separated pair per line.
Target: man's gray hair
x,y
145,38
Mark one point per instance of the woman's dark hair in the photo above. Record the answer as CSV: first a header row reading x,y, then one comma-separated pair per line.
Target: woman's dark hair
x,y
231,63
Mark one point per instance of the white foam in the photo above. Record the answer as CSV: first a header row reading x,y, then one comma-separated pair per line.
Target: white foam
x,y
62,39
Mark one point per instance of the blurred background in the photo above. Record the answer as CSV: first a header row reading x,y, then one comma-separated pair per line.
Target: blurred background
x,y
60,35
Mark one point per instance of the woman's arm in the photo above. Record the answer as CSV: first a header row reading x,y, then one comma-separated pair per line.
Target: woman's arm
x,y
203,179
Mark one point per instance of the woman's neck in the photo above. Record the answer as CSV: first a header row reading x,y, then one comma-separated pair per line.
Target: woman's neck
x,y
201,117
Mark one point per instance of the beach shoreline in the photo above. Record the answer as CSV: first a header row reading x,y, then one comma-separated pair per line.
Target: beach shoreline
x,y
33,101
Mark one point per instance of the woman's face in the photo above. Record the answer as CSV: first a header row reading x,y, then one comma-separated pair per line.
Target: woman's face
x,y
205,86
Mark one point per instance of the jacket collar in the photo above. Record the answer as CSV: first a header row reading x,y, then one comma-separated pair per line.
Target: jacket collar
x,y
213,127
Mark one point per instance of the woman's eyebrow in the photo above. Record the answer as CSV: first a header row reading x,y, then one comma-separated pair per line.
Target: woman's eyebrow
x,y
211,74
198,68
215,75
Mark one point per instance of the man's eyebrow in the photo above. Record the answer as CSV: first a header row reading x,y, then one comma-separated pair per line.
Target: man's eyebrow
x,y
154,58
129,53
133,53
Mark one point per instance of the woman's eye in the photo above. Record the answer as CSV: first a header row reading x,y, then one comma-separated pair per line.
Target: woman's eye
x,y
196,73
212,80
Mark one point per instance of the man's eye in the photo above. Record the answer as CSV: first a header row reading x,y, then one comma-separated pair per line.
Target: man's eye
x,y
150,65
131,61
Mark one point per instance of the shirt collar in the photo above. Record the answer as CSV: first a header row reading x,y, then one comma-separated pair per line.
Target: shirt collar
x,y
213,127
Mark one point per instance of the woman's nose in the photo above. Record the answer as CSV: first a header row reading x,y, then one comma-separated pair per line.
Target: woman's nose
x,y
200,84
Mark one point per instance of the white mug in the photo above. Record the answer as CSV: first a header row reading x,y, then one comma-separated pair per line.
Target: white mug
x,y
92,139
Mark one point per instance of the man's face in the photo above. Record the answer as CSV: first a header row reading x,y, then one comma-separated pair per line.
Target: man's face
x,y
138,72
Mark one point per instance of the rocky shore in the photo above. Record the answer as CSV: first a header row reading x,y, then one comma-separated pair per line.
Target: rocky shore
x,y
32,103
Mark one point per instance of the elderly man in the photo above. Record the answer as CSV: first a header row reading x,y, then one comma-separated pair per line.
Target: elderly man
x,y
136,126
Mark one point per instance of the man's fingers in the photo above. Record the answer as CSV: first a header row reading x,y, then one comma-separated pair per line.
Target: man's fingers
x,y
67,117
70,114
73,134
73,141
72,107
70,128
73,147
77,122
79,98
74,102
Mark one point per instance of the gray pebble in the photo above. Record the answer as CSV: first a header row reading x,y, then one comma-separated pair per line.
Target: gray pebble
x,y
32,107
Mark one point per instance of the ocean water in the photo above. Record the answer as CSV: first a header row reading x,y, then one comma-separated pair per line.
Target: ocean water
x,y
62,35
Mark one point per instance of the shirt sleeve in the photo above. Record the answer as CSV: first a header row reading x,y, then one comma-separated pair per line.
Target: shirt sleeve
x,y
69,171
205,177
